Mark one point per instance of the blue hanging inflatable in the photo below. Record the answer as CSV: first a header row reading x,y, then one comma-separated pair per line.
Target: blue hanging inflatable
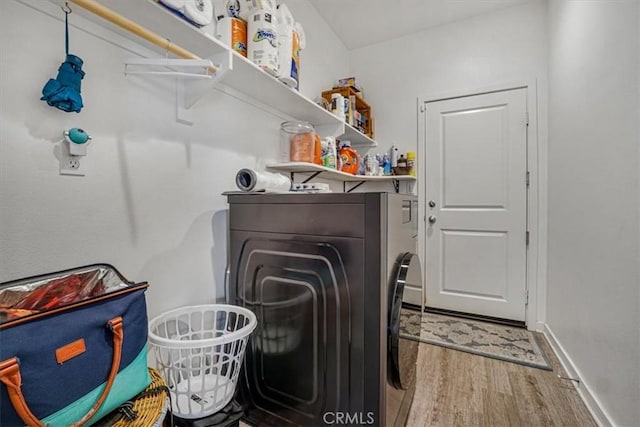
x,y
63,92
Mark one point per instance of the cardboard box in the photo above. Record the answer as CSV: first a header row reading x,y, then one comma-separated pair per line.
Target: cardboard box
x,y
348,81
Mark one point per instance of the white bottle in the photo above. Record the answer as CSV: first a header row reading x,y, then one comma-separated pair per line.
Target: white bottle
x,y
337,105
394,156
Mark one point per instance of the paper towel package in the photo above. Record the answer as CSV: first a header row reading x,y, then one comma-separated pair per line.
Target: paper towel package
x,y
285,29
249,7
233,32
262,47
226,9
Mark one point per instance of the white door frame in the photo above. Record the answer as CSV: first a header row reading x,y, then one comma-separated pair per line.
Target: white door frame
x,y
536,198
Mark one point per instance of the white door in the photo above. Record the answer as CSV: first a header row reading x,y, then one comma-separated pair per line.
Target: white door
x,y
476,204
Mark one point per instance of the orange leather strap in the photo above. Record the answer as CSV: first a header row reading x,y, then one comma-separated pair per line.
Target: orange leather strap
x,y
10,376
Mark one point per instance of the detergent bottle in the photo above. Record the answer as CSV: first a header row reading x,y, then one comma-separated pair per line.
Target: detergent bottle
x,y
317,149
349,159
329,155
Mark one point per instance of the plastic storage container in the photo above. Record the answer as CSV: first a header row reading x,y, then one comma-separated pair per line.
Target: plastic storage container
x,y
199,350
298,142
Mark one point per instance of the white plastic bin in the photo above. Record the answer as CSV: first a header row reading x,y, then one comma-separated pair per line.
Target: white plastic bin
x,y
199,351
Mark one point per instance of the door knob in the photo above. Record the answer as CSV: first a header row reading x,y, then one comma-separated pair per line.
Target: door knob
x,y
432,203
432,219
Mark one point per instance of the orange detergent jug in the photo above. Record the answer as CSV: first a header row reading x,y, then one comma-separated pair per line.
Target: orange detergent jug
x,y
317,155
349,159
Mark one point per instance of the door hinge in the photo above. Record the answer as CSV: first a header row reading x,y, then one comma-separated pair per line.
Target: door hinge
x,y
527,179
527,238
526,118
526,297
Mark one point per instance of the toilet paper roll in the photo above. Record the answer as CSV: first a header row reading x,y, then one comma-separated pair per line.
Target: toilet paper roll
x,y
251,180
198,12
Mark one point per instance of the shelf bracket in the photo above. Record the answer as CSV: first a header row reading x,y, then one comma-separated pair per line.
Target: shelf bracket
x,y
194,77
188,68
311,177
352,188
224,64
189,92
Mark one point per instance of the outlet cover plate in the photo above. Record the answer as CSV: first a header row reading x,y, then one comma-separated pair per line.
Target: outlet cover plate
x,y
71,165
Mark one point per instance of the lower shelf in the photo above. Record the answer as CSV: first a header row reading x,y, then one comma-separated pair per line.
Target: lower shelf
x,y
316,170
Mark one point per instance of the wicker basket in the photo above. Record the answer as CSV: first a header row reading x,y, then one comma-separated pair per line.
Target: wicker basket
x,y
401,171
150,407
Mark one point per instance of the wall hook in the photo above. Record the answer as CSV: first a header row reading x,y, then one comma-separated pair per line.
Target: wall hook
x,y
66,8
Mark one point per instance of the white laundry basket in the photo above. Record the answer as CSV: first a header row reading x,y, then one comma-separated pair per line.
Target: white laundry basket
x,y
199,351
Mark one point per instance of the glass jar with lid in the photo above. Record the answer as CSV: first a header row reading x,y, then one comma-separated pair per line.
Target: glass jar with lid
x,y
297,142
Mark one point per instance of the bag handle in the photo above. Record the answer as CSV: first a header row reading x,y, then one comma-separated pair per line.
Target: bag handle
x,y
10,376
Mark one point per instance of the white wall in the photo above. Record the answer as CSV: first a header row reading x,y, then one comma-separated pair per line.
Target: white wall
x,y
502,47
593,255
492,50
151,202
325,59
487,51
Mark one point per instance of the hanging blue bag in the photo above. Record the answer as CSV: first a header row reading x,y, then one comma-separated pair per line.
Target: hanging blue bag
x,y
63,92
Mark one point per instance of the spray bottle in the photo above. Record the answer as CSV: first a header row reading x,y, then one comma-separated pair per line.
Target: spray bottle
x,y
394,156
330,157
386,164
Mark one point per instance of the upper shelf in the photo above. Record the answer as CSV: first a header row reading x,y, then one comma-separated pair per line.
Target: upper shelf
x,y
158,19
248,78
244,77
357,138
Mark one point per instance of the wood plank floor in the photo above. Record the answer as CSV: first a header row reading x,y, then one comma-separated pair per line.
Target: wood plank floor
x,y
461,389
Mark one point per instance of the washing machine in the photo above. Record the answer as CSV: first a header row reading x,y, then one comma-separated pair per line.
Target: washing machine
x,y
329,277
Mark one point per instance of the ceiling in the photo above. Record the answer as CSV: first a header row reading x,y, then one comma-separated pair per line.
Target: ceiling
x,y
359,23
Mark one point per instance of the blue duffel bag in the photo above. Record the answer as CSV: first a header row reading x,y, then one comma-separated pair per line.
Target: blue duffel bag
x,y
72,346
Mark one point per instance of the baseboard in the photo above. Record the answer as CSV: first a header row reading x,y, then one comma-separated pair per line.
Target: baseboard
x,y
590,400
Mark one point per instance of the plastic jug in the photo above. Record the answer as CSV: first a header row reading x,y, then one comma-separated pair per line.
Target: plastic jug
x,y
349,159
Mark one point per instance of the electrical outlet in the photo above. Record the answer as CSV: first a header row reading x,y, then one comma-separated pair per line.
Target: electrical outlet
x,y
70,165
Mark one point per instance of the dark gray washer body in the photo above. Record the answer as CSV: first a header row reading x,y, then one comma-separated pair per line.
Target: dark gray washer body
x,y
318,270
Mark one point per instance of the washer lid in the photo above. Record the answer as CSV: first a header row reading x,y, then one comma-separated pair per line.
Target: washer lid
x,y
403,352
